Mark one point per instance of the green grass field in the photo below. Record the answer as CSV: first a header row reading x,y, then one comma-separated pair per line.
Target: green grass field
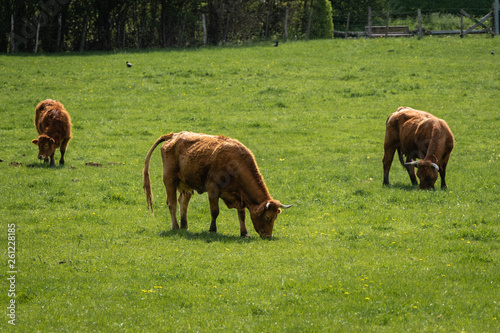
x,y
349,256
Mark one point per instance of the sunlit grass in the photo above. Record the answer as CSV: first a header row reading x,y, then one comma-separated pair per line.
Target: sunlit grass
x,y
351,255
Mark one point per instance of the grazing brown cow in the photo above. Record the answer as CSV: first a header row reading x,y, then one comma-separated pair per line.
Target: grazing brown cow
x,y
418,134
53,124
221,166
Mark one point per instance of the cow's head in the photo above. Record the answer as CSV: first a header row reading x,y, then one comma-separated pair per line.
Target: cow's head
x,y
46,146
264,215
427,173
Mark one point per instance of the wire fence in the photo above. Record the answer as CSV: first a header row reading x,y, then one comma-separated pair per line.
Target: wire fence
x,y
430,21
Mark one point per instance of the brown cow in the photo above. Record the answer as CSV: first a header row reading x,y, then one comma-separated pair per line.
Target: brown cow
x,y
221,166
418,134
53,124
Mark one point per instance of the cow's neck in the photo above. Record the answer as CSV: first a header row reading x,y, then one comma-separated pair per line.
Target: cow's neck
x,y
57,135
435,144
254,191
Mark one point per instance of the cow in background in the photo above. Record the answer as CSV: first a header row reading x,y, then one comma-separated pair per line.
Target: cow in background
x,y
220,166
53,124
418,134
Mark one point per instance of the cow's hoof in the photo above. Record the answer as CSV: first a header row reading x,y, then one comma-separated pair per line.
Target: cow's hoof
x,y
245,235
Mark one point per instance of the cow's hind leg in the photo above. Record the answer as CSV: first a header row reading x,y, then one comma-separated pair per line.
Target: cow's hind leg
x,y
64,144
387,161
184,198
171,188
243,228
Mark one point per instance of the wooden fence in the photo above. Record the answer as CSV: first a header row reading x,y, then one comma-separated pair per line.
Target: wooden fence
x,y
387,30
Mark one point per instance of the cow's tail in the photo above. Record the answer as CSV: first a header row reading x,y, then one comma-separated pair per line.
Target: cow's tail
x,y
145,172
401,157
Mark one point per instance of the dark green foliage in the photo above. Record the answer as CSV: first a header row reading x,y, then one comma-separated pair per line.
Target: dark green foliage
x,y
322,24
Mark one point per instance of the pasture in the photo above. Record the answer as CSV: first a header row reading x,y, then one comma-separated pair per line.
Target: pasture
x,y
350,255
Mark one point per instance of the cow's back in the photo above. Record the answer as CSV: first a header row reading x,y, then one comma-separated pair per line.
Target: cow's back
x,y
193,157
416,129
51,116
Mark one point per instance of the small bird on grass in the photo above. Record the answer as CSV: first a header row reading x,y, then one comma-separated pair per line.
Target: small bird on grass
x,y
276,44
129,64
492,52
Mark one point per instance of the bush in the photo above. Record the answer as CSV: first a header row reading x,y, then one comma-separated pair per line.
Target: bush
x,y
322,22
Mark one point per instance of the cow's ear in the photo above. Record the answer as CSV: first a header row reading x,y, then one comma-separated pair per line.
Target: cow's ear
x,y
273,205
52,141
35,141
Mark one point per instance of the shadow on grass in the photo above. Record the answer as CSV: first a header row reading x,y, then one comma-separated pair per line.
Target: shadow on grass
x,y
407,187
402,186
36,165
209,237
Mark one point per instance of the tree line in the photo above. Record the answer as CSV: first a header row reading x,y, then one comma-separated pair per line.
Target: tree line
x,y
103,25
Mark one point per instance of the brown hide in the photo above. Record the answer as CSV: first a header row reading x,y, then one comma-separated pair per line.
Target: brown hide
x,y
418,134
220,166
53,125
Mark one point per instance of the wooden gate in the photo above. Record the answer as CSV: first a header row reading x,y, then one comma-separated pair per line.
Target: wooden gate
x,y
477,23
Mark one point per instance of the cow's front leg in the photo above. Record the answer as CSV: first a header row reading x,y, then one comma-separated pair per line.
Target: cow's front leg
x,y
52,160
214,212
442,174
411,171
213,198
243,227
184,198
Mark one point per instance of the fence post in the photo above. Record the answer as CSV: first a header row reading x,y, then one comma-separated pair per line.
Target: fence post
x,y
347,25
286,24
84,34
59,32
369,21
227,28
37,34
309,24
204,29
496,17
387,25
461,25
12,44
419,24
267,25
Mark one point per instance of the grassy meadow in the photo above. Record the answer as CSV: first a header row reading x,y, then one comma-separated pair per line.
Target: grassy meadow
x,y
349,256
